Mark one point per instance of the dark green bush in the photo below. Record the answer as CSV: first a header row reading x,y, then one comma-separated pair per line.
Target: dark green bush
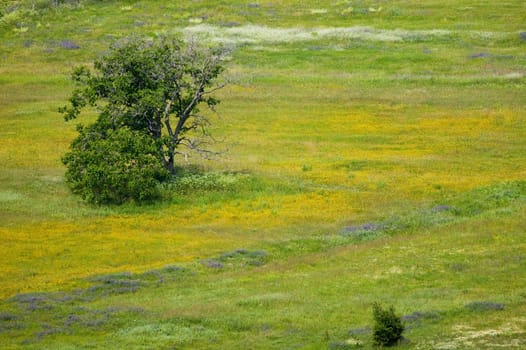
x,y
114,166
387,327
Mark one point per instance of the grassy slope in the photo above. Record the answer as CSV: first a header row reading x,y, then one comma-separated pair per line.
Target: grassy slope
x,y
332,132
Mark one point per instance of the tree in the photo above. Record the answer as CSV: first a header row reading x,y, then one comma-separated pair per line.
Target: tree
x,y
387,327
152,89
154,86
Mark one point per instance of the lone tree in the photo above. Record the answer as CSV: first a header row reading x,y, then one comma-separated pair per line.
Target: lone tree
x,y
387,327
148,90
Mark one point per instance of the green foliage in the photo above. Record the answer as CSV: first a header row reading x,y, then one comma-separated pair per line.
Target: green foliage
x,y
24,12
114,166
148,89
12,15
156,87
388,327
490,198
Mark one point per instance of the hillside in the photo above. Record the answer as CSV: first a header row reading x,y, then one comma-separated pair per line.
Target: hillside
x,y
373,152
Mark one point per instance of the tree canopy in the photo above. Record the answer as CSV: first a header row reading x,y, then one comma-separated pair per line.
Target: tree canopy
x,y
147,90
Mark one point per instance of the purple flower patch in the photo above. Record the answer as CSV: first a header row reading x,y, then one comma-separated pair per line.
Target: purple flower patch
x,y
69,45
440,208
213,264
365,227
480,55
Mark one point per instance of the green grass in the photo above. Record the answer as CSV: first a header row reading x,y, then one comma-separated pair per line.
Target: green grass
x,y
296,292
374,153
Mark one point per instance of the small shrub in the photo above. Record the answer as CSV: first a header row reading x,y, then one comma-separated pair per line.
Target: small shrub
x,y
388,327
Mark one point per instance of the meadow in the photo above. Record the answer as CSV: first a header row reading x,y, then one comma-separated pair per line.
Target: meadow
x,y
374,151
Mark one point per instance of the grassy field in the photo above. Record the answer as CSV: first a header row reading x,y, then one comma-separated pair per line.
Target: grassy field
x,y
375,152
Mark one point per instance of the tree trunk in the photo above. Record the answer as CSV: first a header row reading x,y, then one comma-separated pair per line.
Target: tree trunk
x,y
170,165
